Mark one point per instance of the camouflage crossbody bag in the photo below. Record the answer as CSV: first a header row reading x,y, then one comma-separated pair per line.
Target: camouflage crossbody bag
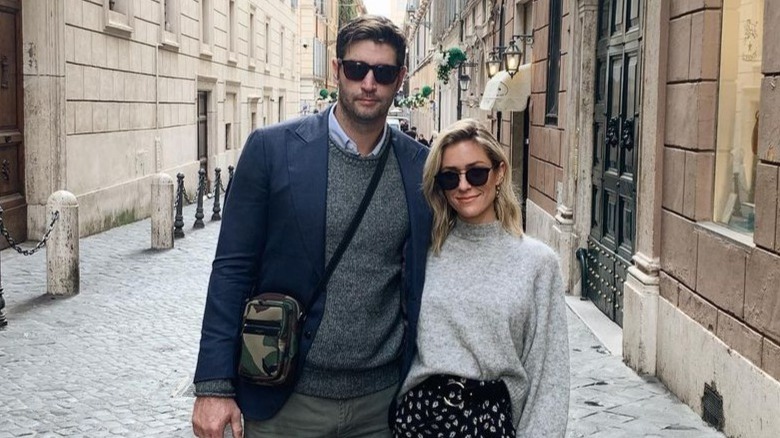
x,y
272,323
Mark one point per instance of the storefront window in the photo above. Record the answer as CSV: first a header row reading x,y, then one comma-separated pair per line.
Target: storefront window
x,y
738,104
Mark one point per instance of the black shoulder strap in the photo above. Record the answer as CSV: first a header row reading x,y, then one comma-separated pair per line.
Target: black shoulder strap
x,y
334,260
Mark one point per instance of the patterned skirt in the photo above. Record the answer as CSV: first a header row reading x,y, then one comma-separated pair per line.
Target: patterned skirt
x,y
450,406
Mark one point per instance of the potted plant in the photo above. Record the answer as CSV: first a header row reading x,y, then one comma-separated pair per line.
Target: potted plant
x,y
446,60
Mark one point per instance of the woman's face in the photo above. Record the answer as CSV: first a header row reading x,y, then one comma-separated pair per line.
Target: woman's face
x,y
472,201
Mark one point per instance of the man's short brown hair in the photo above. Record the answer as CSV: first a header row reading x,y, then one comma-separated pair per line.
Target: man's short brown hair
x,y
373,28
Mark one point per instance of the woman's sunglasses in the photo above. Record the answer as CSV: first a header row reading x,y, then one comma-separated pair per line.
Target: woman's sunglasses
x,y
383,73
476,176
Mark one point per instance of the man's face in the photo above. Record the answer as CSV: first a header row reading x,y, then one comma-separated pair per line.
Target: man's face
x,y
367,100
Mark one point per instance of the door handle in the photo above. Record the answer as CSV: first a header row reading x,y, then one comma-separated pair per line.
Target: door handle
x,y
4,71
5,170
613,126
628,134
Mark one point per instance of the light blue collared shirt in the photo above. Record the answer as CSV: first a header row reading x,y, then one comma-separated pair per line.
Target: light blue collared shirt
x,y
342,140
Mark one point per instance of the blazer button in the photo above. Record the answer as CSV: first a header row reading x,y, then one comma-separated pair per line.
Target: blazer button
x,y
307,334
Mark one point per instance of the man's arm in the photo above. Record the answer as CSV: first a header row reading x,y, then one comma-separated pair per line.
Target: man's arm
x,y
234,272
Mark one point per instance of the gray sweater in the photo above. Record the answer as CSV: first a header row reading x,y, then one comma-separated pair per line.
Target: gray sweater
x,y
356,347
493,308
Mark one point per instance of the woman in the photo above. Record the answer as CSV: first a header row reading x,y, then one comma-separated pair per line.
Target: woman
x,y
492,342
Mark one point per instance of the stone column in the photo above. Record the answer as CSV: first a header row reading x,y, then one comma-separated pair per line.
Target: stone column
x,y
62,249
574,212
44,42
162,211
641,289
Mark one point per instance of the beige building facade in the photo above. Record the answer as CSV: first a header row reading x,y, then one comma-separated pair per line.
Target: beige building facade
x,y
659,161
652,168
118,90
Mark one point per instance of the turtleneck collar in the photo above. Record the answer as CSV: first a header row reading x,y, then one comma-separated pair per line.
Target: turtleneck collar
x,y
476,232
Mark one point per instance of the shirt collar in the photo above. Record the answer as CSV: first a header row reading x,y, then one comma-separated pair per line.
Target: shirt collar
x,y
342,140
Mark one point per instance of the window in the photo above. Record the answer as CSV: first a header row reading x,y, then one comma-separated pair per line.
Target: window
x,y
738,104
171,31
282,110
251,39
118,16
523,25
230,120
319,7
320,59
206,25
281,50
553,62
267,43
231,27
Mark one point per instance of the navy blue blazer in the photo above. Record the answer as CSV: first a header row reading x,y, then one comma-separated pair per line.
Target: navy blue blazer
x,y
273,234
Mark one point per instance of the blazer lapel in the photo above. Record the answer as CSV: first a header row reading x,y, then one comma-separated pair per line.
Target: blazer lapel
x,y
307,158
410,162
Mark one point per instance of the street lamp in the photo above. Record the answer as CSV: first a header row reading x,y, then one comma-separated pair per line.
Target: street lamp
x,y
493,64
512,57
463,82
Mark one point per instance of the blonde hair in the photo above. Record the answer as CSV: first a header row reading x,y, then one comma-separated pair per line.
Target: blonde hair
x,y
506,204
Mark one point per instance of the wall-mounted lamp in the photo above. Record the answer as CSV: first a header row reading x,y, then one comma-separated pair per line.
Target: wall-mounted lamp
x,y
464,81
493,64
510,55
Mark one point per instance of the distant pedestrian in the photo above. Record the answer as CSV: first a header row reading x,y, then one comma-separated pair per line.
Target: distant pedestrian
x,y
290,203
492,359
434,134
423,141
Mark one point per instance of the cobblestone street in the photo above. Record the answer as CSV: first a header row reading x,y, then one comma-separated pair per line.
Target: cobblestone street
x,y
117,359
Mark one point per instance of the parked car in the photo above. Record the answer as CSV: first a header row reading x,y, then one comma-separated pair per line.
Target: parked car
x,y
398,122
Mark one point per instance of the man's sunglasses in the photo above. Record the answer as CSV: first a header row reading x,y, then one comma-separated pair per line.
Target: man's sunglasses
x,y
450,179
383,73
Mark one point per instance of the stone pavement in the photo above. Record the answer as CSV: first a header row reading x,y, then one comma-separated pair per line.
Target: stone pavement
x,y
117,359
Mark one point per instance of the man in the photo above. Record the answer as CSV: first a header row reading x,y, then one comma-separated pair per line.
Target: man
x,y
295,189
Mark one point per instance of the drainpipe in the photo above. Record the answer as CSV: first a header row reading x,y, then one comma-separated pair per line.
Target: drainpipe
x,y
499,114
582,254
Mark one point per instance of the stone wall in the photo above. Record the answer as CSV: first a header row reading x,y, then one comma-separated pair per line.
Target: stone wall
x,y
718,286
131,79
547,145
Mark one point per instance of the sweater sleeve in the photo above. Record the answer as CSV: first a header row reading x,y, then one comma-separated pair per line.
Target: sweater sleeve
x,y
546,357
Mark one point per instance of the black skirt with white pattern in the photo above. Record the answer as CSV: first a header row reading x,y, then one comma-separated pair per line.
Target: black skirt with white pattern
x,y
455,407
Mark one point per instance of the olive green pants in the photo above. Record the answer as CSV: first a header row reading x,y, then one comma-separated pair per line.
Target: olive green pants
x,y
304,416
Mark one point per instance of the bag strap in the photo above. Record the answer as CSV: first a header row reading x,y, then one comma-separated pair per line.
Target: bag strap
x,y
353,226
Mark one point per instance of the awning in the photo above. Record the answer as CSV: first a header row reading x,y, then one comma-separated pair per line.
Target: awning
x,y
507,93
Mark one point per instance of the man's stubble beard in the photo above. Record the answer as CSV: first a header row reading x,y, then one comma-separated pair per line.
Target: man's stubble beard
x,y
351,112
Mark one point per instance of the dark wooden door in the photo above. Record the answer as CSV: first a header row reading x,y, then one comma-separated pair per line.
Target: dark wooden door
x,y
12,198
617,122
203,142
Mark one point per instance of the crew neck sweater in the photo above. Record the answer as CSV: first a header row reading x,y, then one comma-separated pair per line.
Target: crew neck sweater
x,y
493,308
357,345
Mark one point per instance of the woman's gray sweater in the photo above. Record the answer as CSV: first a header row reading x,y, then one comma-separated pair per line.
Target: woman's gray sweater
x,y
493,308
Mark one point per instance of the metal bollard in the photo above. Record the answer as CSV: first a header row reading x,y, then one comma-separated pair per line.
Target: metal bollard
x,y
582,256
162,211
217,186
62,250
178,222
199,209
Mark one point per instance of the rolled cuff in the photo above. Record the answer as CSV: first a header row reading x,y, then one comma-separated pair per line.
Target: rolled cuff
x,y
215,388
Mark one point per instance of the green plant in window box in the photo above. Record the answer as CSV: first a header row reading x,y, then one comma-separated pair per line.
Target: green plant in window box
x,y
447,60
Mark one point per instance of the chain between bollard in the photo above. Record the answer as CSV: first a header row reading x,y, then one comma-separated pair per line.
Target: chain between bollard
x,y
27,252
186,197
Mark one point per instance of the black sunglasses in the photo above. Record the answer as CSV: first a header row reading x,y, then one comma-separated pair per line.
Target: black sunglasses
x,y
450,179
383,73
